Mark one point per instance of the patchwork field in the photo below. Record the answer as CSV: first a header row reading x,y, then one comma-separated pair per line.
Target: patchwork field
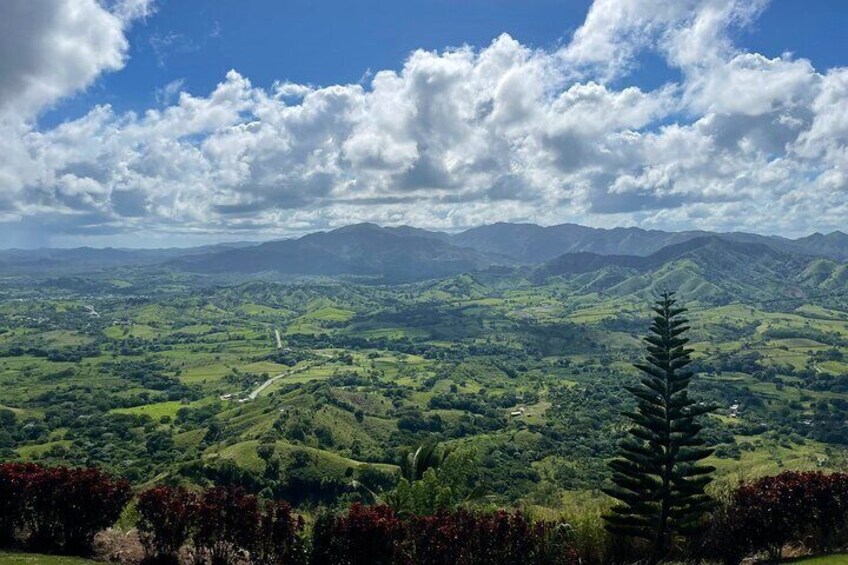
x,y
192,384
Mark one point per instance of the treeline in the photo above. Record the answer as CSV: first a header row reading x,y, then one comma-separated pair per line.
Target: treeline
x,y
61,510
73,354
455,352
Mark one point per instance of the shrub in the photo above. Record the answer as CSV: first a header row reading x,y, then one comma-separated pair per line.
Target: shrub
x,y
830,498
67,507
367,535
227,519
277,539
807,508
13,480
468,538
377,535
589,538
554,544
167,517
770,511
723,540
224,523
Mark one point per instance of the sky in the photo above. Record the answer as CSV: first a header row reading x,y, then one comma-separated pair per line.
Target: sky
x,y
147,123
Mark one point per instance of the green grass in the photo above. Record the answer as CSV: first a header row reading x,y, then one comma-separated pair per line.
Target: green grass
x,y
155,411
330,314
38,559
261,310
190,439
195,329
33,452
63,338
822,560
321,463
208,373
312,374
771,459
140,331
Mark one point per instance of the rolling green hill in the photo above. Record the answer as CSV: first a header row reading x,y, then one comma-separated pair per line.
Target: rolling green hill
x,y
179,376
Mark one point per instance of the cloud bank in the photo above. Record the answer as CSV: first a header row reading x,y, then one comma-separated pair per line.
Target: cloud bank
x,y
455,138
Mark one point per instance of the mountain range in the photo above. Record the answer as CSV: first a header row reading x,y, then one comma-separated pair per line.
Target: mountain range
x,y
403,254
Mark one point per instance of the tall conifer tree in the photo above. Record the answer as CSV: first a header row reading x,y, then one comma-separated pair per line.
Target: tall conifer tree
x,y
659,482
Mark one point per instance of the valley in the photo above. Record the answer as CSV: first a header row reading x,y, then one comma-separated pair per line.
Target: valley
x,y
314,385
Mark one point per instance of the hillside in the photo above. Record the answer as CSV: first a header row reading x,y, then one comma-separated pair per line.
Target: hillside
x,y
86,259
530,243
706,268
408,254
391,254
404,253
833,245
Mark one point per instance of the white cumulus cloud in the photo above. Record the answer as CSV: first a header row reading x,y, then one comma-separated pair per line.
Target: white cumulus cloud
x,y
452,139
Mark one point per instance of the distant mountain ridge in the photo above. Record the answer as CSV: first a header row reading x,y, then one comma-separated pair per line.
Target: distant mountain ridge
x,y
585,261
404,253
531,243
393,254
399,254
81,259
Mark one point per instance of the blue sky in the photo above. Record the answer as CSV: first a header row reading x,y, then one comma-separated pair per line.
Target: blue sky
x,y
327,42
147,122
306,41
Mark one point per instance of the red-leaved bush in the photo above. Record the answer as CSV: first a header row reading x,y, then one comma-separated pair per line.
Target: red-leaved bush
x,y
225,523
60,509
227,520
13,499
800,508
278,536
366,535
167,518
375,534
468,538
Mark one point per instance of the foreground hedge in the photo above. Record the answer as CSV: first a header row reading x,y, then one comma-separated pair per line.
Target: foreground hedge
x,y
760,517
57,509
61,509
801,509
223,524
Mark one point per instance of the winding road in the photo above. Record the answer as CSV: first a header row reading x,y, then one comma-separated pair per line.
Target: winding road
x,y
258,390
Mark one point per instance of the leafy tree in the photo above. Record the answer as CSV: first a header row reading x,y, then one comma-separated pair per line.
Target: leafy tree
x,y
658,481
13,498
428,456
507,538
446,483
278,538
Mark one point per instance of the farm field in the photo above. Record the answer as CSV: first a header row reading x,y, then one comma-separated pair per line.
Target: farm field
x,y
36,559
822,560
190,383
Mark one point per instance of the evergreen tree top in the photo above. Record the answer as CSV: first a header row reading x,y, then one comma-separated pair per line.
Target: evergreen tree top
x,y
657,477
